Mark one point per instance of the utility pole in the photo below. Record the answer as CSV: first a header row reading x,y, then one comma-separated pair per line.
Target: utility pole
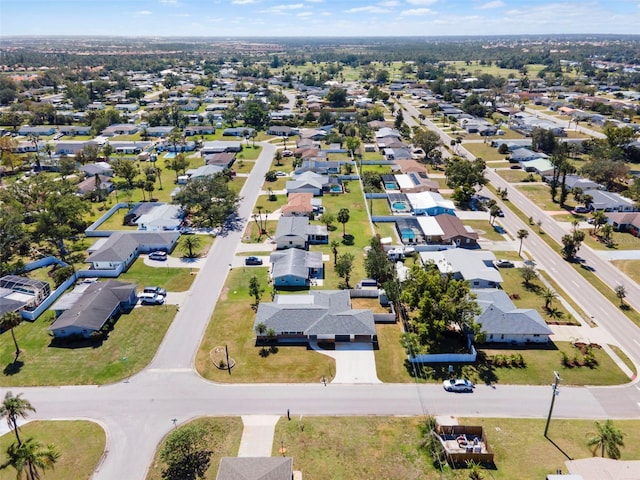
x,y
555,392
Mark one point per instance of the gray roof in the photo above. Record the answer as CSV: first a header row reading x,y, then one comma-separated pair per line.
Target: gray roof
x,y
288,226
255,468
470,264
317,230
118,248
96,305
500,316
604,199
320,312
121,245
294,261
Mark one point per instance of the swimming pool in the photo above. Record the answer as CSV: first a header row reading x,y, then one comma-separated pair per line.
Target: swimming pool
x,y
399,206
390,186
336,188
169,155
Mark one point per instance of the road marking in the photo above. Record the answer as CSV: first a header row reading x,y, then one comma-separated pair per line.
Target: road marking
x,y
637,342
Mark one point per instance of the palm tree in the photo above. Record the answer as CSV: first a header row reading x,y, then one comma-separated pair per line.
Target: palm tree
x,y
14,406
549,296
608,438
334,249
522,234
31,458
189,244
621,292
343,218
9,321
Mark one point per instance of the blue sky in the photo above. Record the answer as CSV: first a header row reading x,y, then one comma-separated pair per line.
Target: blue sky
x,y
316,17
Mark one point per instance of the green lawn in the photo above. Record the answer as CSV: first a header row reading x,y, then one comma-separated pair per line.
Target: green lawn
x,y
223,440
243,166
354,448
541,196
629,267
361,448
393,368
515,176
484,229
621,241
484,151
532,297
232,325
80,444
251,232
115,221
386,230
269,205
205,242
249,152
130,347
172,279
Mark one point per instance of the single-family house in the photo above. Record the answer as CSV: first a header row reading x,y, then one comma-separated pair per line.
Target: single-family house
x,y
255,468
127,107
541,166
625,222
99,303
298,204
524,155
219,146
130,147
312,134
393,154
447,230
72,130
203,171
387,132
282,131
120,129
576,181
475,266
430,203
296,268
244,132
97,182
163,217
38,131
98,168
320,315
610,201
291,232
160,131
199,130
502,322
322,167
224,159
120,250
307,182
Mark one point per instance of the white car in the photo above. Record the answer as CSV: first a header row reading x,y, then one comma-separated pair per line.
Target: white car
x,y
458,385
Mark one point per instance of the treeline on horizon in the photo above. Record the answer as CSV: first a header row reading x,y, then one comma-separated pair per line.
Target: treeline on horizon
x,y
160,53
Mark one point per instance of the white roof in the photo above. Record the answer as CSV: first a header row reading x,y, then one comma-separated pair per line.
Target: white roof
x,y
471,264
425,200
404,181
430,226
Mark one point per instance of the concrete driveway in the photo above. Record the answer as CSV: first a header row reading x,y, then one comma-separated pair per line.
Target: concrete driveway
x,y
175,262
355,362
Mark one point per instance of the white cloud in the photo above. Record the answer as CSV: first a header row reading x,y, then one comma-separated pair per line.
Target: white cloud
x,y
493,4
389,3
169,2
416,12
369,9
144,12
421,2
305,14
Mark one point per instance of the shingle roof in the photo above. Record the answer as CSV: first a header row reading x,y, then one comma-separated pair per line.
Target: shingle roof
x,y
294,261
292,226
121,245
501,317
320,312
255,468
94,308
